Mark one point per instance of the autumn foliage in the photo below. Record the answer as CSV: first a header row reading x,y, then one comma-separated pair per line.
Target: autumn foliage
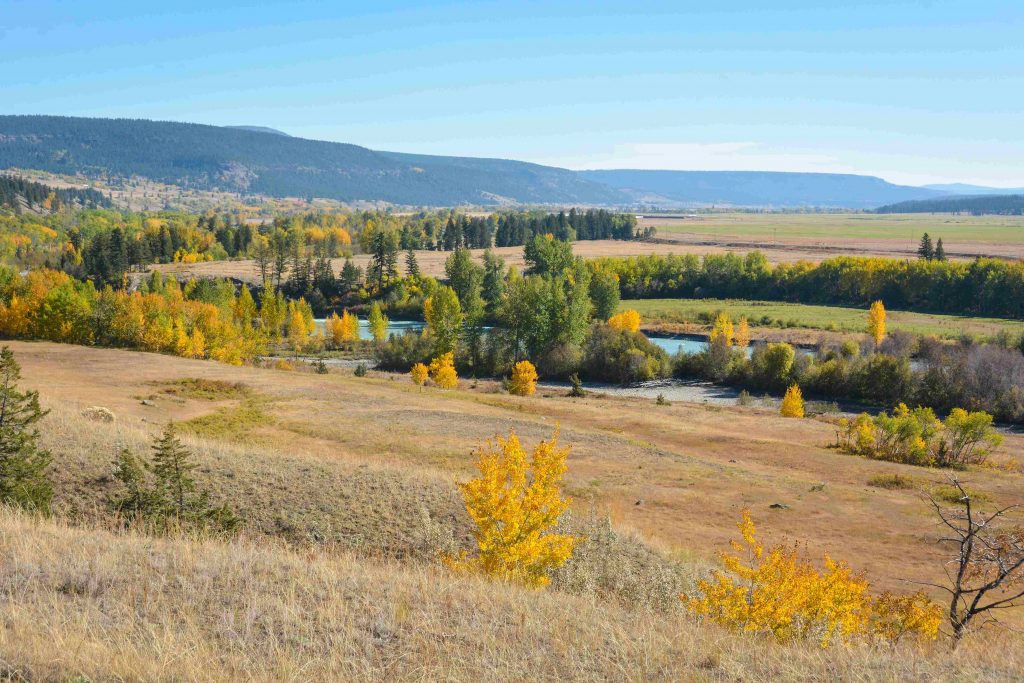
x,y
515,504
792,402
722,329
876,322
524,379
442,371
627,321
777,592
343,329
162,316
419,374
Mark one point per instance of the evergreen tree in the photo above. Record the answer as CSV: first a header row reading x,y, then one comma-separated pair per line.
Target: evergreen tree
x,y
494,280
173,466
412,266
926,251
23,465
940,251
351,274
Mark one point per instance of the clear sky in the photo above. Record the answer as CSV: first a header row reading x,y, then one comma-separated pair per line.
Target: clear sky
x,y
916,92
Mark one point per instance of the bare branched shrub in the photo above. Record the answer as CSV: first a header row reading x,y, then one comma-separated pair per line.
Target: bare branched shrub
x,y
986,573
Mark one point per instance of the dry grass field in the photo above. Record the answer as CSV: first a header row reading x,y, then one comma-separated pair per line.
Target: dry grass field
x,y
815,236
346,486
84,604
307,455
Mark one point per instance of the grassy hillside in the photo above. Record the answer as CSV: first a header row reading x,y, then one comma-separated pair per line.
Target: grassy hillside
x,y
347,489
254,162
106,606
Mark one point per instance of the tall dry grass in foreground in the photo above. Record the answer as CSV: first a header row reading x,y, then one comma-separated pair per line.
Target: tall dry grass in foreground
x,y
112,606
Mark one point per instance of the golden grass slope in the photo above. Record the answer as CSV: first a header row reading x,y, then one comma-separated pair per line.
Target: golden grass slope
x,y
122,607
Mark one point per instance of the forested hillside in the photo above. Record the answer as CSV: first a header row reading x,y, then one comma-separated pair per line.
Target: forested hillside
x,y
756,188
247,161
18,193
1005,205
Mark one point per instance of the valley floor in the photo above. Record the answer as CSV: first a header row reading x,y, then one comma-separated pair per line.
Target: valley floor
x,y
357,475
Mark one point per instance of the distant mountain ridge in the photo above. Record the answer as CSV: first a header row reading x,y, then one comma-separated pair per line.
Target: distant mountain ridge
x,y
757,188
254,162
260,160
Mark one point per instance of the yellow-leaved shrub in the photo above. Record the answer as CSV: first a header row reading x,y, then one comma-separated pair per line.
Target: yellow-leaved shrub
x,y
777,592
419,374
627,321
442,371
792,402
515,504
524,379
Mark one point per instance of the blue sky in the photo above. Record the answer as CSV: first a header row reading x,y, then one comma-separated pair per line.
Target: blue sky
x,y
915,92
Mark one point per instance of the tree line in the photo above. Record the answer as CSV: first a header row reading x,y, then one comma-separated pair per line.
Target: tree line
x,y
982,287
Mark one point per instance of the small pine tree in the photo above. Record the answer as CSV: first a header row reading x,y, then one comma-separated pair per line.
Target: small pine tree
x,y
940,251
792,403
412,266
925,250
577,390
173,466
163,493
23,465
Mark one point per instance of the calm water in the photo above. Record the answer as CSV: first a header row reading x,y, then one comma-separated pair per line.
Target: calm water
x,y
671,344
394,327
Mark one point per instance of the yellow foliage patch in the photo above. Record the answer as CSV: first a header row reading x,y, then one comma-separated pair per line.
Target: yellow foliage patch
x,y
524,379
515,504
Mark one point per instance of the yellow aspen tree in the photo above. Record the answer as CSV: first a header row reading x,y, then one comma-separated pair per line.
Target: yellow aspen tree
x,y
627,321
419,374
792,402
197,344
722,329
244,308
334,329
524,379
876,322
442,371
378,323
515,505
742,333
349,327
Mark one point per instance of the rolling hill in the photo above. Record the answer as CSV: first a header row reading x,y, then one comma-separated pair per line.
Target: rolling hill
x,y
756,188
255,162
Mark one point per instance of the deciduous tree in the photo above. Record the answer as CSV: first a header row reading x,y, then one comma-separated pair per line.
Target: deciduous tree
x,y
515,504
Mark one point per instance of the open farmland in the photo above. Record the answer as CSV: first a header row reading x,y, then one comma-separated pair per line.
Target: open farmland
x,y
773,314
819,235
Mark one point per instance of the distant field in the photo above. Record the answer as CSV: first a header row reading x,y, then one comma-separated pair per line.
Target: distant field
x,y
833,318
816,235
